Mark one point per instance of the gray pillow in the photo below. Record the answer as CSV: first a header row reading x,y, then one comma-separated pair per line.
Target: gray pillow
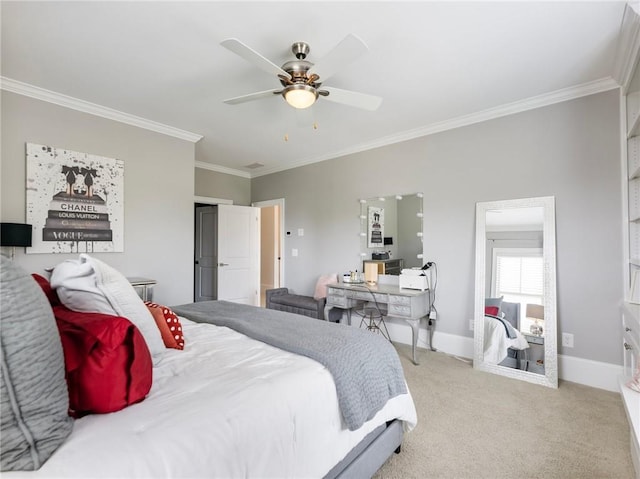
x,y
34,400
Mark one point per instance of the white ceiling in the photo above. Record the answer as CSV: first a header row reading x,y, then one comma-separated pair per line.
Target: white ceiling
x,y
436,64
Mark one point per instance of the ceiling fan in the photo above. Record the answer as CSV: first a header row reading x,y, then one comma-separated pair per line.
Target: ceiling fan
x,y
302,80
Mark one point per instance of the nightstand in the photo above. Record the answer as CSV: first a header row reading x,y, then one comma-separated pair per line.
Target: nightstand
x,y
536,353
143,286
533,339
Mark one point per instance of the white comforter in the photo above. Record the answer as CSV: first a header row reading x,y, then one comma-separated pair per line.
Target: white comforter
x,y
496,341
227,406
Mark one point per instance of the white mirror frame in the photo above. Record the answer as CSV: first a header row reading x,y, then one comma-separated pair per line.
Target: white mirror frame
x,y
550,378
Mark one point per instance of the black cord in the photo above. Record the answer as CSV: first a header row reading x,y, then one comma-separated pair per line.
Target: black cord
x,y
432,290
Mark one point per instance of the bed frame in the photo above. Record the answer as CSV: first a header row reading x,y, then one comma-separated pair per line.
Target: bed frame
x,y
371,453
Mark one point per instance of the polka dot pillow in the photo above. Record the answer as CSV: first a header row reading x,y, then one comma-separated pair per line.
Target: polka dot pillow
x,y
168,324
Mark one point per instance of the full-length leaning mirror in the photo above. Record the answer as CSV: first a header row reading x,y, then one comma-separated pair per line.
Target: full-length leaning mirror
x,y
515,290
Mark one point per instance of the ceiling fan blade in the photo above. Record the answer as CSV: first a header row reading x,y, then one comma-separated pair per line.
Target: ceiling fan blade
x,y
253,57
350,48
353,98
251,96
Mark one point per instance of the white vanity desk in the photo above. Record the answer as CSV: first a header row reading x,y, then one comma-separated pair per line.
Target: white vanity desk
x,y
409,304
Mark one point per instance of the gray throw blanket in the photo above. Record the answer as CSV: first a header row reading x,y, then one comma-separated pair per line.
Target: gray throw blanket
x,y
509,329
365,367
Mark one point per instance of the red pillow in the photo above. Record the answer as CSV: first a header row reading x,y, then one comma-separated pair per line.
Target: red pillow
x,y
491,310
168,324
52,296
107,361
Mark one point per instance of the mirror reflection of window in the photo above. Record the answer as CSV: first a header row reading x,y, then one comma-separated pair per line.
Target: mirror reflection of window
x,y
518,276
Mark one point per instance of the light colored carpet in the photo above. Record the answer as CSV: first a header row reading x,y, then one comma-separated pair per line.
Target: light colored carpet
x,y
473,424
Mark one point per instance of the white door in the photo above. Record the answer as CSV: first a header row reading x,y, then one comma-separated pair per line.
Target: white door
x,y
239,254
227,254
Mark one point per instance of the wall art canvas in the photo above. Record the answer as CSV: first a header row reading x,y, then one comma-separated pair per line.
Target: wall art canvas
x,y
375,222
75,201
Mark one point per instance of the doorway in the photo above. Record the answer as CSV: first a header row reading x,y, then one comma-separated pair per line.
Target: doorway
x,y
227,253
271,245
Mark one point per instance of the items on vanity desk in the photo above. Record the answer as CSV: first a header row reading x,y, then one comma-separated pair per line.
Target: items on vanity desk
x,y
414,278
410,305
353,277
385,266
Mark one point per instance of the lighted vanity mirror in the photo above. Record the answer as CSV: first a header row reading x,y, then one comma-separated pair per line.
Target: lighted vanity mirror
x,y
515,292
391,230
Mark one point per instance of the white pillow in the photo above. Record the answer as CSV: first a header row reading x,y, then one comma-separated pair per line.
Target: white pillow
x,y
75,282
90,285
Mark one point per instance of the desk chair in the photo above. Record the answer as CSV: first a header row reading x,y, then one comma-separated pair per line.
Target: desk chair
x,y
373,314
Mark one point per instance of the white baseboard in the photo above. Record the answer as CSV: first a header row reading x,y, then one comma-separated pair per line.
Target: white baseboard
x,y
588,372
570,368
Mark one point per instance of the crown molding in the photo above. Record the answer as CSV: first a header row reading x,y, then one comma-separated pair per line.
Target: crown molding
x,y
558,96
221,169
628,47
38,93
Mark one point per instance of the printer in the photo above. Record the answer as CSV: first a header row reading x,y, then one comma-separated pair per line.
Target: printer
x,y
413,278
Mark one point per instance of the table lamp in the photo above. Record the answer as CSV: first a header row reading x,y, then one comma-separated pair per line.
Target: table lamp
x,y
15,235
536,312
371,273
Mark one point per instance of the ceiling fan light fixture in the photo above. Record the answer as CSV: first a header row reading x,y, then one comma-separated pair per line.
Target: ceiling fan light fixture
x,y
300,95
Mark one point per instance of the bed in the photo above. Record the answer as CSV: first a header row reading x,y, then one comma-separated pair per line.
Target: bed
x,y
502,337
229,405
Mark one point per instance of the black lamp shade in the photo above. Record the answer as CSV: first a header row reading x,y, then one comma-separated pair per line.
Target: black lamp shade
x,y
15,234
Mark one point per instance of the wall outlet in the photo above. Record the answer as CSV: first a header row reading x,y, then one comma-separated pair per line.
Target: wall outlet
x,y
567,340
294,252
471,324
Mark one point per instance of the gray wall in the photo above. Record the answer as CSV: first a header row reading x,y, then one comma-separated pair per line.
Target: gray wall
x,y
158,189
220,185
569,150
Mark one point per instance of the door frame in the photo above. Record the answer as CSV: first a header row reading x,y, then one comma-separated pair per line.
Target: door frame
x,y
198,260
277,202
207,200
201,201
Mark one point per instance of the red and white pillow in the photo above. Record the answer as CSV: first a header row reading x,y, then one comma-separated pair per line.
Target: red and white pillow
x,y
168,324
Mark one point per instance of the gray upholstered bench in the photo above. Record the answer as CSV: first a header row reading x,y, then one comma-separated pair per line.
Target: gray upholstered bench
x,y
281,300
